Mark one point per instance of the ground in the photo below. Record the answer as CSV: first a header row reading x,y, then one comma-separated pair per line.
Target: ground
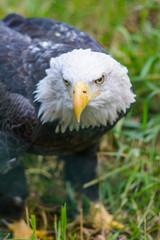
x,y
129,157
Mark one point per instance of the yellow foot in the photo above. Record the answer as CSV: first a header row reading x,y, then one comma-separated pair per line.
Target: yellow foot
x,y
22,231
101,218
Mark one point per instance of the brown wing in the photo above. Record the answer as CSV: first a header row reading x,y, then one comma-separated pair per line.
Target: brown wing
x,y
26,47
52,30
17,125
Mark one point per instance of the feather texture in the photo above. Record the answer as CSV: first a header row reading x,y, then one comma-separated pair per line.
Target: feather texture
x,y
35,55
36,107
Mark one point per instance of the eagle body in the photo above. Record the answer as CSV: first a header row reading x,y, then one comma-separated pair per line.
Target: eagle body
x,y
41,61
25,54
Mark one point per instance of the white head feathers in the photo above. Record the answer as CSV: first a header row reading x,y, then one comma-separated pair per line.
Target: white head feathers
x,y
86,66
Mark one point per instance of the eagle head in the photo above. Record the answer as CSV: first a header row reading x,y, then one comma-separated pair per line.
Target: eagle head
x,y
83,88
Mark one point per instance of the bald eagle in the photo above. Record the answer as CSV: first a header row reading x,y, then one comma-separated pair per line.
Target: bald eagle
x,y
60,92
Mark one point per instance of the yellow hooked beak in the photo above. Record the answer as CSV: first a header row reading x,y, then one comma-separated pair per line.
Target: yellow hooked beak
x,y
81,98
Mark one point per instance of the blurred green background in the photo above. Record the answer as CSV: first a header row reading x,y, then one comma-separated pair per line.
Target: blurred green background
x,y
130,31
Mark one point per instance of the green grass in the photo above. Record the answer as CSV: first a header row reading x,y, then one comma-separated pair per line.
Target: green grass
x,y
130,32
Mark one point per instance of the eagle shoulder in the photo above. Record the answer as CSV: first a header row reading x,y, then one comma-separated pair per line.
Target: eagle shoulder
x,y
17,115
52,30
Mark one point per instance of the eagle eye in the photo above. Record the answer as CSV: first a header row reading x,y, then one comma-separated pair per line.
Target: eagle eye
x,y
67,83
100,80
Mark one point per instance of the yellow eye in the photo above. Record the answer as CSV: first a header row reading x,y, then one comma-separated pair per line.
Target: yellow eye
x,y
67,83
100,80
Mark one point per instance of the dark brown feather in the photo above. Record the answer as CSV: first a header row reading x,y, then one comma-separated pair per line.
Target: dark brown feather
x,y
24,57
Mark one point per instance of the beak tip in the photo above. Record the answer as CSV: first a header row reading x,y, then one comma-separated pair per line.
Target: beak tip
x,y
80,99
78,119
